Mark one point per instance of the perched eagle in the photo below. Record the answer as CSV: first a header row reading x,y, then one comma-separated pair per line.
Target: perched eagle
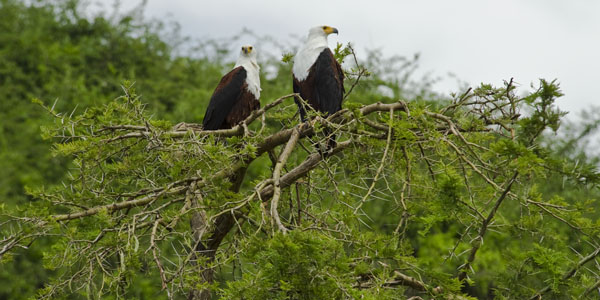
x,y
237,94
318,77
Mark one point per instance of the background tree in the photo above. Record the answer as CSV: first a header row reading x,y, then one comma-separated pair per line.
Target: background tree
x,y
422,197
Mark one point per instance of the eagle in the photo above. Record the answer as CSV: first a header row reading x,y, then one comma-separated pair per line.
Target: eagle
x,y
318,77
236,95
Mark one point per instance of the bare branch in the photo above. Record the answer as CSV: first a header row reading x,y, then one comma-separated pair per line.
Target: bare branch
x,y
285,154
155,250
120,205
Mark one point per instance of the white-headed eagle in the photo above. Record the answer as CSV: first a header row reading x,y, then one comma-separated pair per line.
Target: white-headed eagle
x,y
236,95
318,77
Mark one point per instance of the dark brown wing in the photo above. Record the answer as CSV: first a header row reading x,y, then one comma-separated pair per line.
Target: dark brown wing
x,y
323,88
328,83
224,98
243,107
305,89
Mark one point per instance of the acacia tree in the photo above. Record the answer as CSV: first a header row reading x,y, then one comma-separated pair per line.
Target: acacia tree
x,y
416,200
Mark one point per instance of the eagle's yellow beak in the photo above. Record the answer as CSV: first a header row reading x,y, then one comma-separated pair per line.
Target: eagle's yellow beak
x,y
330,30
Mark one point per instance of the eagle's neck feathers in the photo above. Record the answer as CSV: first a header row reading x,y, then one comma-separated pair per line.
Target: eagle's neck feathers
x,y
252,74
308,54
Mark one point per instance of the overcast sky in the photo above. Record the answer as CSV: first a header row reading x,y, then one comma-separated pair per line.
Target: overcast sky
x,y
477,40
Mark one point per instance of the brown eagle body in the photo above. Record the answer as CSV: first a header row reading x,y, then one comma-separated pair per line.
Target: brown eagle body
x,y
318,77
323,88
231,102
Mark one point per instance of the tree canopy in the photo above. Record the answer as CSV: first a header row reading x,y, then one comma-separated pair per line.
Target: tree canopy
x,y
113,190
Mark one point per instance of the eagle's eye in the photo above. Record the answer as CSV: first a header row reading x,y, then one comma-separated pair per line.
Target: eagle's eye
x,y
250,48
324,27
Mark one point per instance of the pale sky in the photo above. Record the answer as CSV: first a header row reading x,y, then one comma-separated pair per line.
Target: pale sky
x,y
477,40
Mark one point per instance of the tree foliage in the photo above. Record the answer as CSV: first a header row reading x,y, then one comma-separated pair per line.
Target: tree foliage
x,y
467,197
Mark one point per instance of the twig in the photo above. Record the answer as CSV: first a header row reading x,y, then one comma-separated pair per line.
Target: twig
x,y
405,190
540,205
161,270
362,71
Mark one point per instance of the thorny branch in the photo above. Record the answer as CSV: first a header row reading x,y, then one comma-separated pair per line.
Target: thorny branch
x,y
268,143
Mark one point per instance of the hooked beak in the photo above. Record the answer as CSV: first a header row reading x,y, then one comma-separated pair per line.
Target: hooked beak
x,y
330,30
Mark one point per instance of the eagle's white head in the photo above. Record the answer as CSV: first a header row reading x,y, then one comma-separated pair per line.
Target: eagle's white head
x,y
317,36
321,32
309,52
247,59
247,54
